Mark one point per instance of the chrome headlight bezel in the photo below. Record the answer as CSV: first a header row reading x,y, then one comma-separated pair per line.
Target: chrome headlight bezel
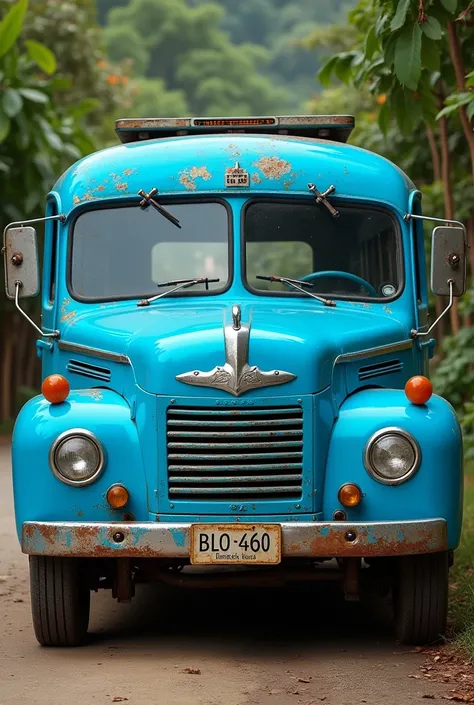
x,y
68,435
368,461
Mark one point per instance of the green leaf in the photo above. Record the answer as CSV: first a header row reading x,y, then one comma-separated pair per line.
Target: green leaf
x,y
4,126
447,110
432,28
384,118
430,55
450,5
407,110
389,49
400,15
470,110
33,95
10,26
380,24
371,44
325,73
343,67
408,56
41,55
12,102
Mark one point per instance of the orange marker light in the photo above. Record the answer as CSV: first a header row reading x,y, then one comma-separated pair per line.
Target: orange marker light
x,y
117,496
350,495
55,389
418,389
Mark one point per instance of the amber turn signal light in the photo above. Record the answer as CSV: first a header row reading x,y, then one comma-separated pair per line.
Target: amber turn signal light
x,y
350,495
117,496
55,389
418,389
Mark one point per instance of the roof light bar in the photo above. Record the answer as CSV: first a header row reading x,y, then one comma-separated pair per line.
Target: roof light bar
x,y
332,127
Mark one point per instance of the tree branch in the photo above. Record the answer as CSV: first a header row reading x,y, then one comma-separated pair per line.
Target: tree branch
x,y
460,72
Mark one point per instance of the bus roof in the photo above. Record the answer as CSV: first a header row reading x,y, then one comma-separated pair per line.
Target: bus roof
x,y
332,127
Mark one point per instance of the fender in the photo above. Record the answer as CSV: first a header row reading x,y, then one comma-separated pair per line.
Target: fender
x,y
40,496
436,489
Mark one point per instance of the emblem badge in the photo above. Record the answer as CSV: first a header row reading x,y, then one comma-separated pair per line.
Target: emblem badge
x,y
236,176
236,376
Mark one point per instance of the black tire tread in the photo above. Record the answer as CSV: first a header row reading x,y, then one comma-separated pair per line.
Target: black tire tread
x,y
421,598
60,601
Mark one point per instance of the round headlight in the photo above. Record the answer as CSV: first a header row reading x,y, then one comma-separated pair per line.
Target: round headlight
x,y
76,457
392,456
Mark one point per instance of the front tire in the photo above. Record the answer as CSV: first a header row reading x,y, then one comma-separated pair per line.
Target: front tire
x,y
421,598
60,600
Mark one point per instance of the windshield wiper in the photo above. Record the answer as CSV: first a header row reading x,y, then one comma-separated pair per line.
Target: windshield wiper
x,y
298,284
147,198
177,284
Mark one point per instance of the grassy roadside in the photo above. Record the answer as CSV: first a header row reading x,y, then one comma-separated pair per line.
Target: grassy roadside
x,y
462,574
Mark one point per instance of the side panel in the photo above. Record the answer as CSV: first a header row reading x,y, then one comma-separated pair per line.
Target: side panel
x,y
435,491
40,496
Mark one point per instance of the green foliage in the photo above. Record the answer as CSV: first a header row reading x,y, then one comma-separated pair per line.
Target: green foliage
x,y
41,55
39,138
195,60
10,26
279,26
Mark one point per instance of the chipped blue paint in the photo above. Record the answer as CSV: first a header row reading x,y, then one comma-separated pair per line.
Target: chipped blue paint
x,y
179,536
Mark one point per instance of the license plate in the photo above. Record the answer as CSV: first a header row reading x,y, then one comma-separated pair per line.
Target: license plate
x,y
237,544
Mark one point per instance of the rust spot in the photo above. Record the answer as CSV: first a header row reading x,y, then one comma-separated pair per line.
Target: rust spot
x,y
127,172
76,200
68,316
273,167
188,178
387,309
121,187
48,533
29,531
199,171
256,178
287,184
100,188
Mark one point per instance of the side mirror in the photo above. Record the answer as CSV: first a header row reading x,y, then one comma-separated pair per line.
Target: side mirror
x,y
21,262
448,261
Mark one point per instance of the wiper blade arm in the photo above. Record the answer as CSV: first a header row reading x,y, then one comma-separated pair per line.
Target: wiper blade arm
x,y
177,284
298,284
148,198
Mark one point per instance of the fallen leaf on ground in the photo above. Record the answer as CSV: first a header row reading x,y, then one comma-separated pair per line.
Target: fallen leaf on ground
x,y
428,695
118,699
193,671
303,680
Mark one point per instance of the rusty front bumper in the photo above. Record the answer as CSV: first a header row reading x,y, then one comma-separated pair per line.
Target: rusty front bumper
x,y
304,539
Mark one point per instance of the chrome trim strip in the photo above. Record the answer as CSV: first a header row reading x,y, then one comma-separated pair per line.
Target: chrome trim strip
x,y
371,352
172,540
368,462
93,352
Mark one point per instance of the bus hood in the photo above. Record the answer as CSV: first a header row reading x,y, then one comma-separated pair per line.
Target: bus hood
x,y
179,338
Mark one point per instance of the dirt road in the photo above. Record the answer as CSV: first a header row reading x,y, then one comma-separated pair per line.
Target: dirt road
x,y
299,649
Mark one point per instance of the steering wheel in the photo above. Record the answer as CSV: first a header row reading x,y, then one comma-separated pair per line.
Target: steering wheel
x,y
346,275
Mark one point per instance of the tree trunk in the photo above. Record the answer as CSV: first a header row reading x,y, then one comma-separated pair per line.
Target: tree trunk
x,y
435,158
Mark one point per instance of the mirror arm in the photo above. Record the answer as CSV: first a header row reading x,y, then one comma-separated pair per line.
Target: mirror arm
x,y
409,216
55,334
417,334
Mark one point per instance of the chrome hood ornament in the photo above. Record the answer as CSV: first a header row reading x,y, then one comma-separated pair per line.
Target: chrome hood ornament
x,y
236,376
